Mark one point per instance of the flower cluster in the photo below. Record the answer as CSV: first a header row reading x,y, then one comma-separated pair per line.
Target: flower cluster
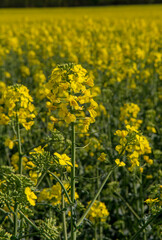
x,y
98,212
69,93
128,115
31,197
132,142
18,104
53,194
102,157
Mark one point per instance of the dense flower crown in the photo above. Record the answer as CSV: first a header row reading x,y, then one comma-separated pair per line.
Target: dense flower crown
x,y
128,115
69,93
18,103
132,142
98,212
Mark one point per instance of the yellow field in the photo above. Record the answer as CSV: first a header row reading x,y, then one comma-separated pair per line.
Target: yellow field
x,y
80,123
135,11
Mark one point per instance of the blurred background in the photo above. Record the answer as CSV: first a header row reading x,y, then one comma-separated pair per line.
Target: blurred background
x,y
70,3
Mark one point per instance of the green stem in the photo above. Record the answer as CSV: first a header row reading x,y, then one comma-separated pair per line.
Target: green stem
x,y
29,235
142,205
33,225
73,230
99,199
7,214
96,237
127,204
40,179
151,219
135,193
19,145
64,189
64,217
95,197
15,220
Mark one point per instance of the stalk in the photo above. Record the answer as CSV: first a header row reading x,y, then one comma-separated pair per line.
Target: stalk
x,y
64,217
127,204
96,235
33,225
19,145
15,220
95,197
65,191
150,220
142,205
98,184
73,230
20,172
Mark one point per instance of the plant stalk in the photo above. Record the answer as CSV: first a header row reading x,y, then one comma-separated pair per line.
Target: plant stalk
x,y
64,189
95,197
73,230
64,217
19,145
15,220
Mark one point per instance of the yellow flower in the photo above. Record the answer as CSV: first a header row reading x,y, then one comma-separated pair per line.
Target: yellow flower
x,y
64,160
31,197
102,157
151,200
9,143
120,164
141,169
38,150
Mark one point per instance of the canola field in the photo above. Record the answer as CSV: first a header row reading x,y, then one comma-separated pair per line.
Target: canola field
x,y
80,123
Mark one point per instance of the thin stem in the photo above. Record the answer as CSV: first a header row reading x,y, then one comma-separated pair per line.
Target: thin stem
x,y
19,145
15,220
33,225
64,189
127,204
142,204
64,218
29,235
96,236
151,219
40,179
99,199
73,231
95,197
7,214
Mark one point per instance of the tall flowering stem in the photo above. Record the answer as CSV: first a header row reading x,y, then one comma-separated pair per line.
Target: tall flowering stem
x,y
70,100
18,107
19,144
73,232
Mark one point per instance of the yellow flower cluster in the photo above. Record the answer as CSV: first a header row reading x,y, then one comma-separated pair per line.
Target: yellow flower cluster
x,y
151,200
119,163
53,194
64,160
148,160
18,104
69,92
98,212
133,144
9,143
31,197
102,157
128,115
